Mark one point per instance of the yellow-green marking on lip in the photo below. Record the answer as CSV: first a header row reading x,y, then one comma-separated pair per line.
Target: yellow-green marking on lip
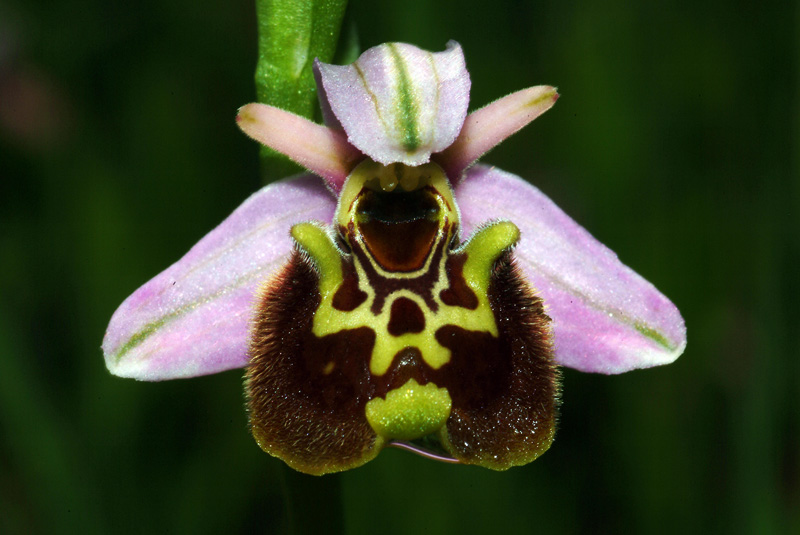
x,y
409,412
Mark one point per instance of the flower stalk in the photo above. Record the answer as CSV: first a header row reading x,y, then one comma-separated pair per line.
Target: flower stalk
x,y
291,34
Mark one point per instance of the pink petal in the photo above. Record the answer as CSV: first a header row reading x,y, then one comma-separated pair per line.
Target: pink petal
x,y
399,103
321,150
489,126
193,318
606,318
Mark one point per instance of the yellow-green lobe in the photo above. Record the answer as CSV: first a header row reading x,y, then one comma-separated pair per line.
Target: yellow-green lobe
x,y
409,412
317,244
483,250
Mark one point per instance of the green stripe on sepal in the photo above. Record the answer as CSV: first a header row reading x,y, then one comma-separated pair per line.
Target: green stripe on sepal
x,y
655,336
409,109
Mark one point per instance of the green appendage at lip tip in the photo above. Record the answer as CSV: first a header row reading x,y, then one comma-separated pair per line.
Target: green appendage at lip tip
x,y
409,412
411,141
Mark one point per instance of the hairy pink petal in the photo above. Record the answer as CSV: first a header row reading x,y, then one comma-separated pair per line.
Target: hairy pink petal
x,y
319,149
487,127
399,103
193,318
606,317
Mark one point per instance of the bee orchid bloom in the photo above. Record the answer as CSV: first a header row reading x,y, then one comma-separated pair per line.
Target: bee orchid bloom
x,y
361,316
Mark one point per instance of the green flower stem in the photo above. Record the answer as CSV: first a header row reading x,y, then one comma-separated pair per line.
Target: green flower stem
x,y
291,33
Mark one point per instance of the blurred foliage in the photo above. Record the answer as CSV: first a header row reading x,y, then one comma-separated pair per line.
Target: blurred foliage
x,y
676,142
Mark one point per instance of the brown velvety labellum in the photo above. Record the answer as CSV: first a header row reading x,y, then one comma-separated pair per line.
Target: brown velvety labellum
x,y
306,395
505,390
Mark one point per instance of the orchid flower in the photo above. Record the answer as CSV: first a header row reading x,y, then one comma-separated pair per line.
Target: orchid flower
x,y
399,294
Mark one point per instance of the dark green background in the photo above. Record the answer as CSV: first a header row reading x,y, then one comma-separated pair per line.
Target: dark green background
x,y
675,142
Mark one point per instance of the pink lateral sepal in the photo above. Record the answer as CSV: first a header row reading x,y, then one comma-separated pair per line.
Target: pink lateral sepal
x,y
194,318
606,317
